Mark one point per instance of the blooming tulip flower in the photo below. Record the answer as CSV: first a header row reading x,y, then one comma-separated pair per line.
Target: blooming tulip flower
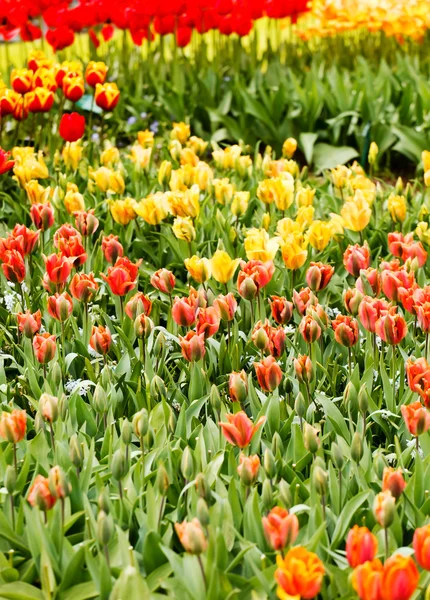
x,y
29,324
223,267
60,306
208,321
240,430
83,287
282,310
100,340
137,305
192,346
280,528
299,574
421,545
112,248
269,374
44,347
58,268
400,578
13,425
416,417
356,258
106,95
164,281
191,536
95,73
122,277
367,580
391,328
318,276
345,330
5,164
361,546
72,127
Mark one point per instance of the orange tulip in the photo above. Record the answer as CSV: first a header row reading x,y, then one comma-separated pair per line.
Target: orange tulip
x,y
240,430
101,339
13,425
421,544
367,580
416,417
400,578
44,347
29,323
280,528
299,574
361,546
345,330
40,494
393,481
248,468
191,536
269,373
391,327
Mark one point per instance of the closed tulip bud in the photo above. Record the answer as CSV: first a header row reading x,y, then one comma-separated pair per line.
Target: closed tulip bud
x,y
352,298
163,480
421,545
39,423
187,464
248,469
58,483
48,406
140,423
379,464
247,289
192,536
277,445
75,452
260,338
119,465
363,399
284,492
126,432
300,405
288,386
320,480
304,369
143,326
350,395
337,456
202,512
309,329
384,508
105,528
10,479
267,494
269,464
318,276
100,399
202,487
159,345
215,398
357,447
361,546
103,501
393,481
158,389
238,386
310,438
172,422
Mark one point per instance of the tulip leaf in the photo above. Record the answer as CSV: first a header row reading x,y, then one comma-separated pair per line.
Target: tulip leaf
x,y
346,516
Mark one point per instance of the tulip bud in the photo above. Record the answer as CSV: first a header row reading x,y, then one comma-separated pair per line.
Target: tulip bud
x,y
163,480
248,469
118,465
337,456
310,438
284,492
172,423
126,432
300,405
215,398
143,326
363,399
105,528
158,389
140,423
384,508
48,406
202,487
103,501
288,386
277,445
63,406
261,339
202,512
187,464
56,375
267,494
39,423
269,464
320,479
159,345
100,399
379,464
10,479
350,395
76,452
58,483
238,386
357,448
393,481
247,289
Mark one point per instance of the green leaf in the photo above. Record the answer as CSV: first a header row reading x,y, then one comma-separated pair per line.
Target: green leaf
x,y
328,157
346,517
307,143
20,591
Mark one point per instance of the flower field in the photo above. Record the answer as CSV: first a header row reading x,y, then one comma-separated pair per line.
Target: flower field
x,y
215,300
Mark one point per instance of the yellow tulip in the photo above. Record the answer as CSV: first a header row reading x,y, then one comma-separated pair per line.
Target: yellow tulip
x,y
336,224
73,200
226,159
36,193
294,252
319,234
305,216
197,145
279,190
366,186
289,147
164,172
239,204
243,166
373,153
265,221
427,178
72,154
203,176
122,211
183,229
153,209
198,268
145,138
423,232
30,167
305,196
109,157
340,176
180,132
223,190
259,246
20,153
397,208
107,180
181,179
426,160
275,168
356,212
188,157
184,204
140,156
286,227
222,266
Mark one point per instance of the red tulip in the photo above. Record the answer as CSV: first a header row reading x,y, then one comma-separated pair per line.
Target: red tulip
x,y
86,222
240,430
303,368
248,468
269,373
345,330
370,310
29,323
83,287
112,248
13,425
226,306
5,164
44,347
40,495
42,216
208,321
72,127
352,298
356,258
303,299
193,346
416,417
122,276
393,481
26,238
394,281
423,316
184,311
260,273
164,281
373,278
282,310
60,306
391,327
309,329
318,276
101,339
421,545
58,268
13,266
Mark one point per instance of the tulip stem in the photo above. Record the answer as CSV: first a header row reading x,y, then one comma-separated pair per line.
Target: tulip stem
x,y
203,571
160,516
12,511
386,541
427,346
417,445
15,462
51,432
349,362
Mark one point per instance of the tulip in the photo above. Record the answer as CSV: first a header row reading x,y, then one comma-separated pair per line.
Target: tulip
x,y
277,341
8,102
184,311
73,87
5,164
294,252
240,430
391,328
164,281
367,580
143,325
112,248
13,266
423,316
318,276
73,200
21,80
208,321
309,329
191,536
100,340
393,283
106,95
352,299
345,330
238,387
72,155
122,211
400,578
370,310
122,277
40,495
83,287
29,324
361,546
310,438
48,407
86,222
153,209
13,425
356,258
393,481
384,508
372,278
58,268
303,299
397,207
416,417
58,484
39,100
60,306
248,469
192,346
72,127
95,73
261,335
320,234
415,252
304,369
183,229
269,373
421,545
44,347
137,305
223,267
279,190
226,306
289,147
280,528
260,273
27,238
299,574
282,310
356,212
396,241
